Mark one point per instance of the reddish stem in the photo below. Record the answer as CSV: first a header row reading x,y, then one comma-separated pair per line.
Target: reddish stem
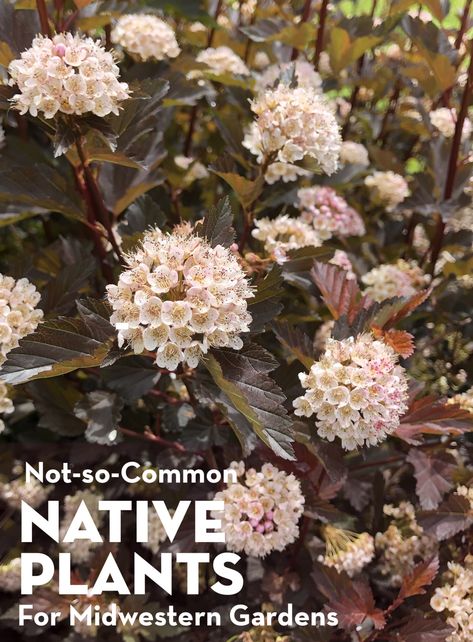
x,y
463,25
43,17
319,42
218,9
149,436
304,17
101,212
456,143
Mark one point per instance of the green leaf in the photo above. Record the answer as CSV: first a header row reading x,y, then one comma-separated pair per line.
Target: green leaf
x,y
338,48
101,411
246,190
61,345
243,378
216,227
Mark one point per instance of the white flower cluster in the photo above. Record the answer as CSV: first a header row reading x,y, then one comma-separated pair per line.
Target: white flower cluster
x,y
17,491
180,296
354,154
340,258
284,233
292,124
69,73
456,597
403,278
347,551
305,75
403,544
156,532
81,550
445,121
10,576
464,400
145,36
222,60
329,213
262,510
18,314
357,391
387,188
6,404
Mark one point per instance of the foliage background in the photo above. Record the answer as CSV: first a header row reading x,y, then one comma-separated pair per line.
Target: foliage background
x,y
125,406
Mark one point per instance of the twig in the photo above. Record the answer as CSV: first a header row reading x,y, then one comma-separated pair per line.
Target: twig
x,y
463,25
319,42
304,17
101,211
99,249
43,17
218,9
149,436
456,143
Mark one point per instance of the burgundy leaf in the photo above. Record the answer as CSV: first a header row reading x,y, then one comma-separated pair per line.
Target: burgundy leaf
x,y
433,476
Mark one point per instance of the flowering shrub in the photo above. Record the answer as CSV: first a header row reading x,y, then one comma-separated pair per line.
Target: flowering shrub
x,y
237,236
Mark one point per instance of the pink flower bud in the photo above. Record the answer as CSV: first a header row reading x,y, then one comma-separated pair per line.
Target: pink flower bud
x,y
269,514
269,526
254,523
59,50
260,528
